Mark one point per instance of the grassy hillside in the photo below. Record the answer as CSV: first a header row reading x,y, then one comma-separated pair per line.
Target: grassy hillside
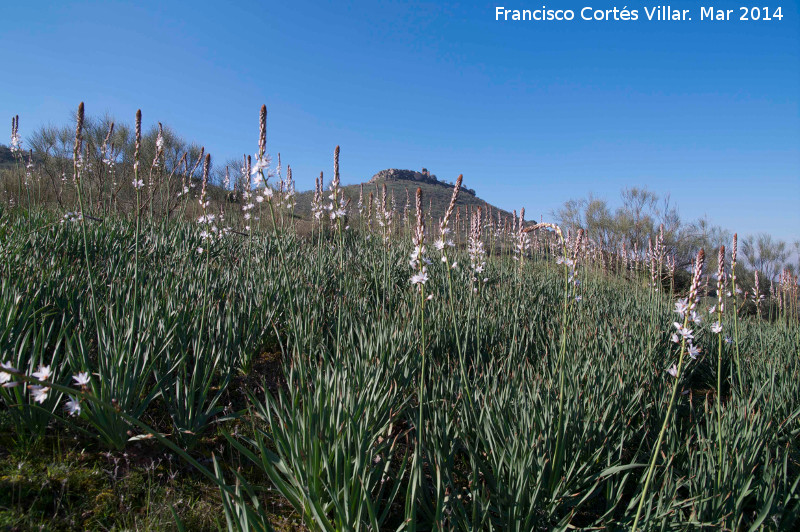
x,y
316,375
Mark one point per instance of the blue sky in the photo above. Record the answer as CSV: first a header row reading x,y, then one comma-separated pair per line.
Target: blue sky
x,y
532,113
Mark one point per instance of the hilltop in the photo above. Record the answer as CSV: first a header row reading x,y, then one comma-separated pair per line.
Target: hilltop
x,y
423,176
436,194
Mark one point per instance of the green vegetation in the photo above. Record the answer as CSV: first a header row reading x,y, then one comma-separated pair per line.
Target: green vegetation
x,y
379,373
352,417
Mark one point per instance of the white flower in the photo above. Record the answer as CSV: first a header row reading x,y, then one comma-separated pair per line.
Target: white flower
x,y
693,351
695,317
578,299
681,306
43,374
200,250
81,379
716,328
728,339
419,278
5,377
138,184
673,371
262,163
683,331
712,309
39,393
73,406
675,338
16,143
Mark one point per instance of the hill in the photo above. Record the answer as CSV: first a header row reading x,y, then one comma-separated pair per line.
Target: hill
x,y
436,194
6,158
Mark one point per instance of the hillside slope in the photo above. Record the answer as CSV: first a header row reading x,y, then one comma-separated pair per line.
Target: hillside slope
x,y
403,185
6,159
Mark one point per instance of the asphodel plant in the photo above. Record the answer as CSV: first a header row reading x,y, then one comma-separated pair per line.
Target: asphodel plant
x,y
686,309
558,458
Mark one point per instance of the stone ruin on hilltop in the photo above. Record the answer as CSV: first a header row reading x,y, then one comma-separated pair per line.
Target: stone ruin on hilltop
x,y
394,174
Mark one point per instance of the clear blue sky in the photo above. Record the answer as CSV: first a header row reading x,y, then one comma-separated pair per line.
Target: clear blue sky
x,y
532,113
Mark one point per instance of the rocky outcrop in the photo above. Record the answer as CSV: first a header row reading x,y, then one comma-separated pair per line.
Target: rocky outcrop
x,y
394,174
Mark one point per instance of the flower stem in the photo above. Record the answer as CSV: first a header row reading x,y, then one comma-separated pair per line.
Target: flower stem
x,y
663,430
558,458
